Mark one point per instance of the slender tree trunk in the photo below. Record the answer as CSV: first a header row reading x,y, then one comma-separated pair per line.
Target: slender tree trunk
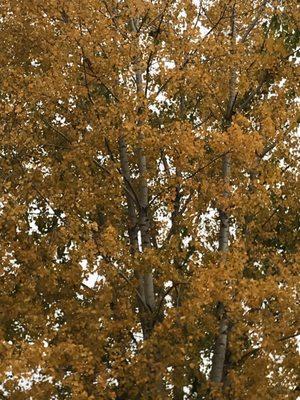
x,y
220,348
133,231
143,221
218,361
219,355
132,216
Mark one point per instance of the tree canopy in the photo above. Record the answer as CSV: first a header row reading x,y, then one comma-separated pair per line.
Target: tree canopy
x,y
149,203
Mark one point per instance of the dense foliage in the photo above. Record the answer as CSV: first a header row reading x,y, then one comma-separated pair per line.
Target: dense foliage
x,y
149,195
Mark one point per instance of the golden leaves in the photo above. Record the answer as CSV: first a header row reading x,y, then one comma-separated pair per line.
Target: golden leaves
x,y
68,79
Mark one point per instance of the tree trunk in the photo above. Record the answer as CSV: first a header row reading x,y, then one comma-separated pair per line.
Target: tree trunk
x,y
218,361
221,340
144,221
220,348
146,279
133,233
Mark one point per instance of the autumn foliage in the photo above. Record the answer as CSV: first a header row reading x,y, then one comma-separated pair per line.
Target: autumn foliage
x,y
149,199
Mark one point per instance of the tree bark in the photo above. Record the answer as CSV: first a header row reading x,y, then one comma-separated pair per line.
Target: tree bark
x,y
133,230
144,222
132,215
220,348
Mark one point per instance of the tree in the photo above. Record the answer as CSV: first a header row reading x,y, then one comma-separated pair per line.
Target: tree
x,y
151,145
